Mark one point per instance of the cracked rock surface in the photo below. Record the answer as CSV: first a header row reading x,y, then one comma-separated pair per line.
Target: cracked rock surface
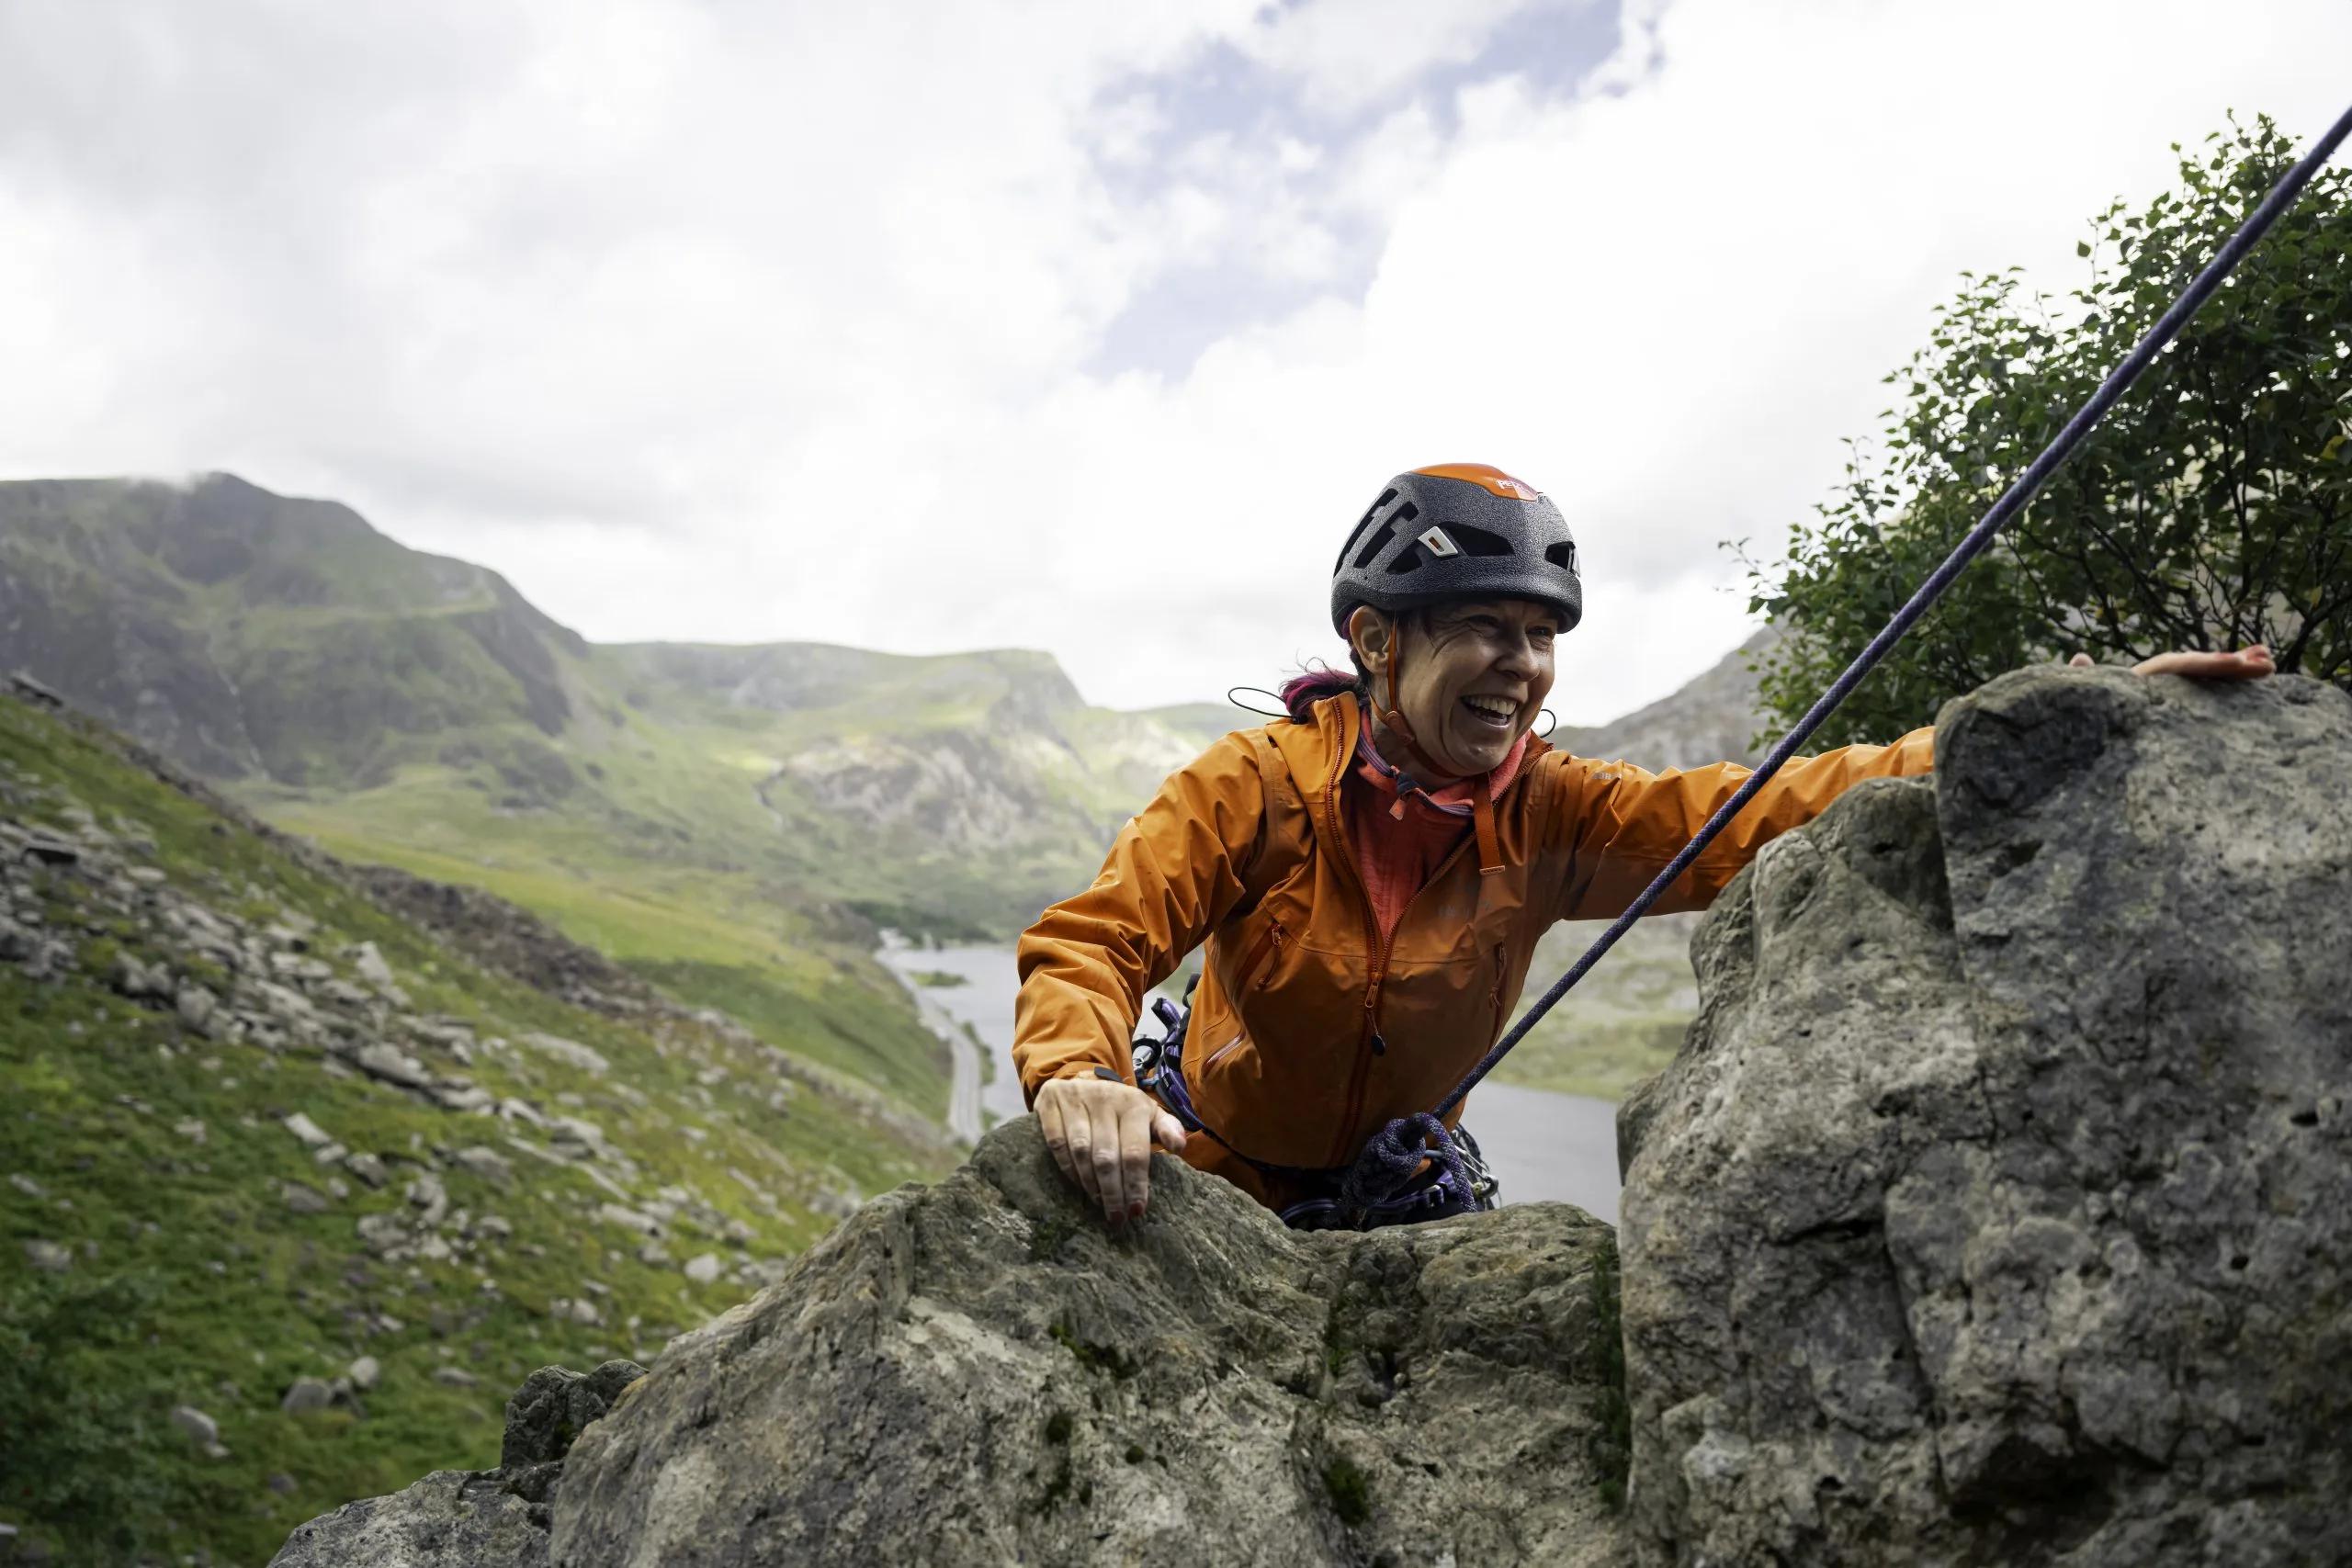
x,y
1996,1210
1998,1207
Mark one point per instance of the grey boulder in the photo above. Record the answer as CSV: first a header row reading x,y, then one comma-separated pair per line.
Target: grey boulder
x,y
1998,1207
982,1371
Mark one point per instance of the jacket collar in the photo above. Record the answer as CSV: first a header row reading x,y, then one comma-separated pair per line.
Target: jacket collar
x,y
1338,720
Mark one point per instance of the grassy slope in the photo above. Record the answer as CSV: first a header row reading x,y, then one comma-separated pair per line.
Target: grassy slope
x,y
242,1293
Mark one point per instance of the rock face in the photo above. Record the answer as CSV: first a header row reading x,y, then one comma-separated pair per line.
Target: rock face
x,y
1998,1207
1713,718
978,1372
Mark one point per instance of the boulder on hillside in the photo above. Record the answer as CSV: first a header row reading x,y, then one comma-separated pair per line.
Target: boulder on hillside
x,y
458,1519
452,1518
1998,1207
982,1371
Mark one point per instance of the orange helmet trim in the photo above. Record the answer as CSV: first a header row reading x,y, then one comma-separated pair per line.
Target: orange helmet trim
x,y
1485,475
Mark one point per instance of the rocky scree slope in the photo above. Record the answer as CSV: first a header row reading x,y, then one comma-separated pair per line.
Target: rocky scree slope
x,y
1998,1207
1994,1211
1715,718
285,1185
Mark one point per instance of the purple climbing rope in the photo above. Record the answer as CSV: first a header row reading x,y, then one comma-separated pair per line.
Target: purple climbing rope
x,y
1383,1157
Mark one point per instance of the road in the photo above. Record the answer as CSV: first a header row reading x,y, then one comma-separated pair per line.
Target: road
x,y
964,1084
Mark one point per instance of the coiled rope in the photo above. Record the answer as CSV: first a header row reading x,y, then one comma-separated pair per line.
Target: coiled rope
x,y
1377,1173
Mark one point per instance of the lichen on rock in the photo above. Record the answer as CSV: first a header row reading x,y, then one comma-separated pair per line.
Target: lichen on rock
x,y
1998,1207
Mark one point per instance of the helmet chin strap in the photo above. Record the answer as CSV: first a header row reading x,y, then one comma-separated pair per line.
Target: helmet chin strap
x,y
1482,797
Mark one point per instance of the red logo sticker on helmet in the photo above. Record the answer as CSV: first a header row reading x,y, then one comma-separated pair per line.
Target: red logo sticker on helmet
x,y
1486,476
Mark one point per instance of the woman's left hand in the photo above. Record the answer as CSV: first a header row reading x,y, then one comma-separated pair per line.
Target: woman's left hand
x,y
2246,664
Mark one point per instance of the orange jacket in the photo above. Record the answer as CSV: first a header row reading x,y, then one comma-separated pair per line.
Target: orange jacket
x,y
1309,1032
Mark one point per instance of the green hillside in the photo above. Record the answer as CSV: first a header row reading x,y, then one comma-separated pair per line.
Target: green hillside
x,y
731,822
257,1129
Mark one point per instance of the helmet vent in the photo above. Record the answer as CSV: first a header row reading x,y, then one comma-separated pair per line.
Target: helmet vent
x,y
1477,541
1562,555
1362,524
1386,532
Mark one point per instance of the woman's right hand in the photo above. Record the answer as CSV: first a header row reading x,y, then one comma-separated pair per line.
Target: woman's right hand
x,y
1100,1131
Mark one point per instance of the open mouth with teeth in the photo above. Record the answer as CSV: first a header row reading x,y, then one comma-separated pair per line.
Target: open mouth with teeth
x,y
1494,713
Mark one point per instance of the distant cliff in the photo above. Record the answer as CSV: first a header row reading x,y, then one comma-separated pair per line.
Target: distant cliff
x,y
245,633
1714,719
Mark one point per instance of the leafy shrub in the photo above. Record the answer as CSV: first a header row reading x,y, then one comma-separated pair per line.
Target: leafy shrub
x,y
2211,510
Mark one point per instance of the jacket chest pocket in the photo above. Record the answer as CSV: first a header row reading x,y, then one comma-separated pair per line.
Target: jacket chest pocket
x,y
1259,959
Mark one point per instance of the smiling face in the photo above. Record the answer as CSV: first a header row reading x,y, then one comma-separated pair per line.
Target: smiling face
x,y
1474,675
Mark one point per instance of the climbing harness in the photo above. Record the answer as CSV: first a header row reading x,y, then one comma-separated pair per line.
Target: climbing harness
x,y
1451,1178
1402,1154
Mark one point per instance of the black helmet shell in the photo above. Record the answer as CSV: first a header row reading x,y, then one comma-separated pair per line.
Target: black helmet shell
x,y
1457,530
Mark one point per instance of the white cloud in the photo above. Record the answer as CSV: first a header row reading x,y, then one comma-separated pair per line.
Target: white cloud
x,y
727,322
1349,54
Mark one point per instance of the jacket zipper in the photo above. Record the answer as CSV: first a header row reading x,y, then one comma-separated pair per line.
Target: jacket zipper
x,y
1269,948
1494,997
1222,1052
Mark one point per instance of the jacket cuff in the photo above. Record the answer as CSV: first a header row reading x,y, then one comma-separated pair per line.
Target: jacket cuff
x,y
1076,1067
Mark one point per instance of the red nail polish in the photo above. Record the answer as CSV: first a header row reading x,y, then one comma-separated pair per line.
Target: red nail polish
x,y
1135,1211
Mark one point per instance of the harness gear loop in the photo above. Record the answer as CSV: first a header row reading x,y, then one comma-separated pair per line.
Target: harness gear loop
x,y
1376,1164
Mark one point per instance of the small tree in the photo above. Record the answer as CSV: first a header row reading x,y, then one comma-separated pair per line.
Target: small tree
x,y
2212,509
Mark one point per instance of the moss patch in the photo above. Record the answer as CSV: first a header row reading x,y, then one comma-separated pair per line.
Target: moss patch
x,y
1349,1491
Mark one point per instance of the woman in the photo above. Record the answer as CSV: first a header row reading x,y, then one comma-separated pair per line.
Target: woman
x,y
1371,875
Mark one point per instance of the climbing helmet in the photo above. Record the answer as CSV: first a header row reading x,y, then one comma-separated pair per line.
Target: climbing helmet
x,y
1457,530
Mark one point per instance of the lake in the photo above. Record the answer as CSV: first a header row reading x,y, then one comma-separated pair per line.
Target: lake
x,y
1543,1147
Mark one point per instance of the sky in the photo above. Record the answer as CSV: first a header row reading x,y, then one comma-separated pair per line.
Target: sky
x,y
1055,325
